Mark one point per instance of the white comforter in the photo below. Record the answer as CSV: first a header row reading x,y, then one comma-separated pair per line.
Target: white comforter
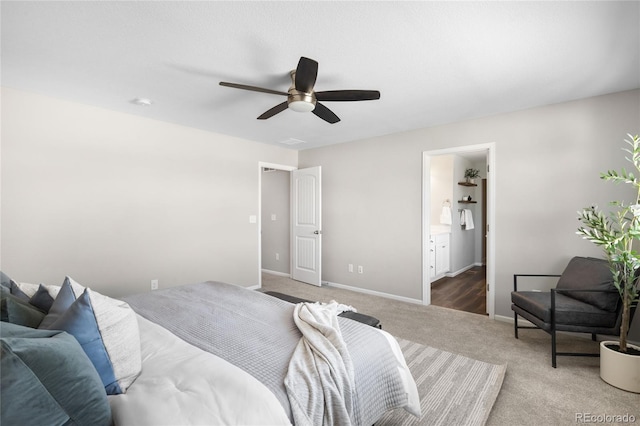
x,y
184,385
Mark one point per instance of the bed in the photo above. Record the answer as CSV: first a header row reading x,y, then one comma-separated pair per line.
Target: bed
x,y
215,353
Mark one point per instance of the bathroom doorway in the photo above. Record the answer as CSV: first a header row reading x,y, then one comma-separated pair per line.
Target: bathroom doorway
x,y
457,217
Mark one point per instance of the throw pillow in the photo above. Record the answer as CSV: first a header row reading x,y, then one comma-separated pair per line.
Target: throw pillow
x,y
107,330
43,297
68,294
5,280
46,378
18,311
23,290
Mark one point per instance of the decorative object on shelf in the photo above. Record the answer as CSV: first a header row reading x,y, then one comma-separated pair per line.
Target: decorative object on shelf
x,y
615,233
471,174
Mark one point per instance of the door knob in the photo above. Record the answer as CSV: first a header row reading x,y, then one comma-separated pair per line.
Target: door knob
x,y
317,232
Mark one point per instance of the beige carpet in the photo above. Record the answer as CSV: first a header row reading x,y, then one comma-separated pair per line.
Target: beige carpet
x,y
533,393
454,390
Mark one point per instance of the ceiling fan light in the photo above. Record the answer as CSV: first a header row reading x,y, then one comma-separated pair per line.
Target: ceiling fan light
x,y
301,106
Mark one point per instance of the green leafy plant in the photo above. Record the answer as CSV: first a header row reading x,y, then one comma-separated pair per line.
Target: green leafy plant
x,y
615,232
471,173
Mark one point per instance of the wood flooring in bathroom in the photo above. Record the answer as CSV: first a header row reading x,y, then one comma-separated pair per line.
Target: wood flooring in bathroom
x,y
464,292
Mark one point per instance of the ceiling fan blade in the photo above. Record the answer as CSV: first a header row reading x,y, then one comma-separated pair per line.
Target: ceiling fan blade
x,y
306,74
252,88
348,95
325,113
273,111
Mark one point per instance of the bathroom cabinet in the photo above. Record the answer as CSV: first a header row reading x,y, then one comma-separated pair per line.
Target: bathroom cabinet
x,y
439,257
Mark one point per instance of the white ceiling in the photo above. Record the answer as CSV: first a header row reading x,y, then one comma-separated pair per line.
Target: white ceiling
x,y
433,62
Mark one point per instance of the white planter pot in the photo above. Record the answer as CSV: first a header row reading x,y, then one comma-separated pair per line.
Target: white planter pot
x,y
619,369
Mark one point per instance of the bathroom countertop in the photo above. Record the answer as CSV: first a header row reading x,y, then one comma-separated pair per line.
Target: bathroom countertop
x,y
440,229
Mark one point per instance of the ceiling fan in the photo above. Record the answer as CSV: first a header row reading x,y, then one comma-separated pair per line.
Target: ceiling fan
x,y
302,98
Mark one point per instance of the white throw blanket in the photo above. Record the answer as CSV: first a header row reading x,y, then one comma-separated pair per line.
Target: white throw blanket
x,y
320,378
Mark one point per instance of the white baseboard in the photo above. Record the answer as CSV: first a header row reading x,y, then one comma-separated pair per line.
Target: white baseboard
x,y
503,318
280,274
459,271
373,292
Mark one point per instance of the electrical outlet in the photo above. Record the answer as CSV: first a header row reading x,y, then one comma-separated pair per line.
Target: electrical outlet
x,y
351,267
360,269
154,284
277,256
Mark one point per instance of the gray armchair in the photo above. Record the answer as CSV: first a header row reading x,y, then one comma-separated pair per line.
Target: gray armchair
x,y
585,300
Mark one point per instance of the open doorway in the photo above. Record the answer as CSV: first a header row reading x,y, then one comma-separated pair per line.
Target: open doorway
x,y
274,220
290,222
457,216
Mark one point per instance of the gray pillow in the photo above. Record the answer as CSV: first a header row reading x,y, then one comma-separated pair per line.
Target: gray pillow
x,y
590,273
18,311
5,280
46,378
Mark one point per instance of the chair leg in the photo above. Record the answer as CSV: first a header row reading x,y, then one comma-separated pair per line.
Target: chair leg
x,y
515,324
553,348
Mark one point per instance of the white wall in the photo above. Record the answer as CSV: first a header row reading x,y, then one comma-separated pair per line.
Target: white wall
x,y
548,162
463,241
441,186
115,200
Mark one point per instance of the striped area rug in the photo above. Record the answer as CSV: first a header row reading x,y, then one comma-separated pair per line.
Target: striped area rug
x,y
454,390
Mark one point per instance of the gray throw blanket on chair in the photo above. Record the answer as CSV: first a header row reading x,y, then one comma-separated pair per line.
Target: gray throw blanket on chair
x,y
320,378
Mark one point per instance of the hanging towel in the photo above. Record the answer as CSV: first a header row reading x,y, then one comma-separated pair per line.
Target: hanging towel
x,y
445,216
466,219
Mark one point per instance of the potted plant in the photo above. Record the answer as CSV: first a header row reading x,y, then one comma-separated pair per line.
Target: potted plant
x,y
471,174
616,232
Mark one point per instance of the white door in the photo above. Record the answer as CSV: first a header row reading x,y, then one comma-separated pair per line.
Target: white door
x,y
306,224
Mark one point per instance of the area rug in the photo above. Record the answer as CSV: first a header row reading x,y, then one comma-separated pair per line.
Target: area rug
x,y
454,390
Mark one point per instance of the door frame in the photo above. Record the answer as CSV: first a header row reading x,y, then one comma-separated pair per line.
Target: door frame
x,y
261,165
491,223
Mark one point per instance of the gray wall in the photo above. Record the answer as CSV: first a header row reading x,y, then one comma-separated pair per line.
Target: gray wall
x,y
276,233
548,162
463,241
116,200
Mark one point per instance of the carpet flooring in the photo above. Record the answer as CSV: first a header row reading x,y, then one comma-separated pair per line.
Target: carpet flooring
x,y
532,393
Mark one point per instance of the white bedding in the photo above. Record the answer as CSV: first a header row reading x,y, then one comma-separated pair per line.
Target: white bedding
x,y
184,385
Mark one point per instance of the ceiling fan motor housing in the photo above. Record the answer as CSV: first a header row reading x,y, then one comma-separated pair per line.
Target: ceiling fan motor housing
x,y
297,100
301,101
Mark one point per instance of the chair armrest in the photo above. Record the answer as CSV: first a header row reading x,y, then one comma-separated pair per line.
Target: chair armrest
x,y
515,278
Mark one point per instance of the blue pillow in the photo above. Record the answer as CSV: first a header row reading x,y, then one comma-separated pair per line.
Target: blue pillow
x,y
43,297
23,290
107,330
46,378
68,294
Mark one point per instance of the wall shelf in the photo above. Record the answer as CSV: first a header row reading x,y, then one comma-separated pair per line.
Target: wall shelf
x,y
467,184
467,202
